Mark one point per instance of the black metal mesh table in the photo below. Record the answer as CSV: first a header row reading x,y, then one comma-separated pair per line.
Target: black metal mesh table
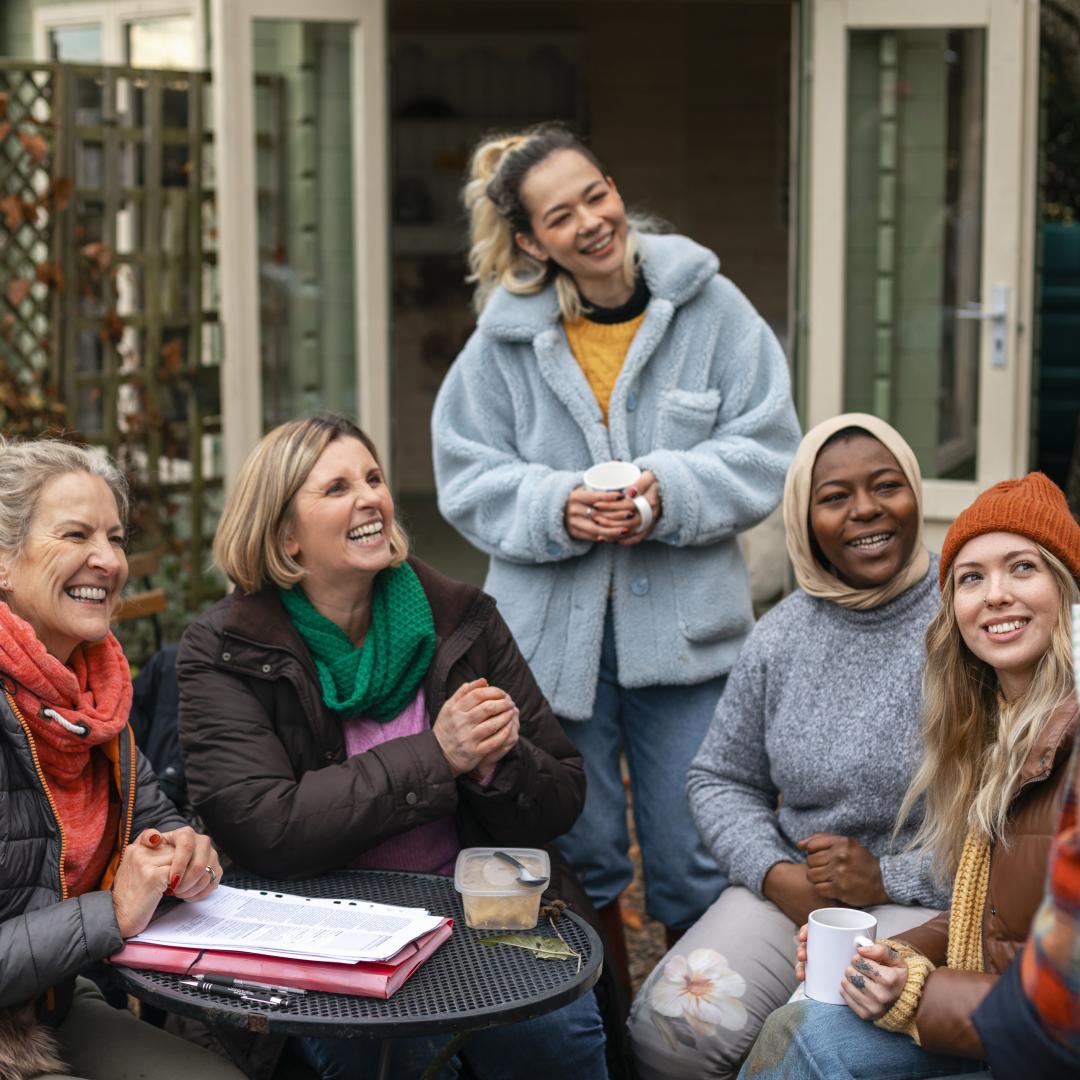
x,y
464,986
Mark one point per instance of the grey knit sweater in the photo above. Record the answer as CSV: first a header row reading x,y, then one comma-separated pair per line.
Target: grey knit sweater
x,y
821,711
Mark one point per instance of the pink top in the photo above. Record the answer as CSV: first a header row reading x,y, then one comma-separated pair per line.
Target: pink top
x,y
430,848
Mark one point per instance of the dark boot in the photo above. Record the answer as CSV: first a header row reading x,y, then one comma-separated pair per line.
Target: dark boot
x,y
611,921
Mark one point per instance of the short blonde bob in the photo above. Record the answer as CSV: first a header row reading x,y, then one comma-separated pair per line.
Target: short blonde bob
x,y
250,543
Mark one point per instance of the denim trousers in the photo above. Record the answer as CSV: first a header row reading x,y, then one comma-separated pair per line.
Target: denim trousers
x,y
568,1042
808,1040
660,729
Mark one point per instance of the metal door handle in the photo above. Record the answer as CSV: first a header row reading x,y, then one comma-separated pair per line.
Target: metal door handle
x,y
998,314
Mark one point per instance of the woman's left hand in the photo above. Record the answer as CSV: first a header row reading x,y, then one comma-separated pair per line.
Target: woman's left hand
x,y
648,488
876,978
842,869
193,856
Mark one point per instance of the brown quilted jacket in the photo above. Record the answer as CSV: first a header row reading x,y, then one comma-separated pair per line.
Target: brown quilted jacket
x,y
1017,880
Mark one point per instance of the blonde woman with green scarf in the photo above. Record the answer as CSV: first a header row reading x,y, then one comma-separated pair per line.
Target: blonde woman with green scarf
x,y
348,706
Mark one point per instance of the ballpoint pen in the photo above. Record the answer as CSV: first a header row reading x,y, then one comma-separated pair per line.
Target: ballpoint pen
x,y
247,984
251,996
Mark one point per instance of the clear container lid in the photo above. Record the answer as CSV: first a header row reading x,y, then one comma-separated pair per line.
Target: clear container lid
x,y
478,873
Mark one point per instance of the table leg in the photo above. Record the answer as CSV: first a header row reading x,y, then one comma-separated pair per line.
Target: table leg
x,y
386,1056
444,1055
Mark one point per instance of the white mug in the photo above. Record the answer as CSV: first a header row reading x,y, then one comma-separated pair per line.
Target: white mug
x,y
618,476
833,935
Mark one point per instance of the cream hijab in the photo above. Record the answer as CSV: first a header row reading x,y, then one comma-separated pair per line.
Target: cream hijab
x,y
812,577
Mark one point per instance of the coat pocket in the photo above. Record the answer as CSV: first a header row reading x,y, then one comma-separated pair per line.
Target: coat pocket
x,y
686,418
523,594
712,592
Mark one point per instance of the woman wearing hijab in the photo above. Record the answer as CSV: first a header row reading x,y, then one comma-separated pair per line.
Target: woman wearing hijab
x,y
797,785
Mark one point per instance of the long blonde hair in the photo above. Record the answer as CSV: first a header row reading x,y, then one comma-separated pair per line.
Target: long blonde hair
x,y
492,197
976,743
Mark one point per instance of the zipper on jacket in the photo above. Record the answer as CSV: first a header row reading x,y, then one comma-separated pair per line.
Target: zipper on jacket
x,y
45,786
125,831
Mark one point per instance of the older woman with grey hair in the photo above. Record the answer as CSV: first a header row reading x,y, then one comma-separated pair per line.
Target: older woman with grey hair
x,y
88,844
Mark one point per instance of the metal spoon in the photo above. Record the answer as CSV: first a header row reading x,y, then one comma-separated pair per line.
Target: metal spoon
x,y
525,875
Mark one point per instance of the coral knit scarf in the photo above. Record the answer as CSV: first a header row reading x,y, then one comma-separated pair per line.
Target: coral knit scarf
x,y
93,695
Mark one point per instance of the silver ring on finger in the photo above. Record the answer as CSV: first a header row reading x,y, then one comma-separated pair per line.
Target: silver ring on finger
x,y
588,511
213,876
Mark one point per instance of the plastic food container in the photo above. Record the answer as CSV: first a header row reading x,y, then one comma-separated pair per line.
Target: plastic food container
x,y
491,894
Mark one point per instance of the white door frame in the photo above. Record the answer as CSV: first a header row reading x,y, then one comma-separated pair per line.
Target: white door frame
x,y
232,64
1011,97
114,17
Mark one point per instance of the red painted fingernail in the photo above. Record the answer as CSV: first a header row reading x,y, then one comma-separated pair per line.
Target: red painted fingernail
x,y
625,531
631,493
173,882
154,838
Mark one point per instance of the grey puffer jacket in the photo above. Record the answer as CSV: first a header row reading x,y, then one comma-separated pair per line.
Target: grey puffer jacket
x,y
47,937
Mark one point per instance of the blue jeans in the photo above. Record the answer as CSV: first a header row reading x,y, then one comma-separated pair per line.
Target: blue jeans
x,y
568,1042
660,729
808,1040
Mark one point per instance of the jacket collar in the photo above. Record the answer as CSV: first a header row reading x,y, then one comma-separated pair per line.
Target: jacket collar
x,y
1054,743
676,269
261,617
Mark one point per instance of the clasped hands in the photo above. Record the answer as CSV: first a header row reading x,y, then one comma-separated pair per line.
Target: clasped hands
x,y
155,864
476,728
611,515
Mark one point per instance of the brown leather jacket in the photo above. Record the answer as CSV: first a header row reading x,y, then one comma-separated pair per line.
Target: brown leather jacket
x,y
266,764
1017,880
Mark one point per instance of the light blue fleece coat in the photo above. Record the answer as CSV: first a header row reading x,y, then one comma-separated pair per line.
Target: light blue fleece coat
x,y
703,400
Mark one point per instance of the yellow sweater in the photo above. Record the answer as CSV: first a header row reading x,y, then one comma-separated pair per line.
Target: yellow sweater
x,y
600,349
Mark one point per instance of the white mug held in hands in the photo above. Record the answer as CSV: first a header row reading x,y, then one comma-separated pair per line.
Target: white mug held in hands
x,y
618,476
833,934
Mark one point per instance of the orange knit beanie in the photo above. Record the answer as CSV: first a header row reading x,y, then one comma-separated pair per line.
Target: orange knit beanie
x,y
1034,507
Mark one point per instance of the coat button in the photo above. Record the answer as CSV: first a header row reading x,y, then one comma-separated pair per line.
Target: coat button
x,y
631,401
226,656
329,755
553,549
266,669
412,798
993,911
640,585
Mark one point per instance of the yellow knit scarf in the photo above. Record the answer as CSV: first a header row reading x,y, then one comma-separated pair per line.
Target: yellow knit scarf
x,y
964,951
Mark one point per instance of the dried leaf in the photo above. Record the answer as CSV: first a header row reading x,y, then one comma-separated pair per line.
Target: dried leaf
x,y
631,919
172,357
5,128
60,192
541,946
98,253
3,104
18,289
112,328
49,273
12,208
34,145
7,324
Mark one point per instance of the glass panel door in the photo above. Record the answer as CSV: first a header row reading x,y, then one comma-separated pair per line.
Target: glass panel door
x,y
303,155
300,160
919,245
913,249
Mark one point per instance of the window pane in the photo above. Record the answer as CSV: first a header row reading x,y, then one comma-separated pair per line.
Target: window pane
x,y
76,44
303,152
162,43
913,238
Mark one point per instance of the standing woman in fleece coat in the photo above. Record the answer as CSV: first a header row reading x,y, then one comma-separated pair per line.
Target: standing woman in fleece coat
x,y
597,342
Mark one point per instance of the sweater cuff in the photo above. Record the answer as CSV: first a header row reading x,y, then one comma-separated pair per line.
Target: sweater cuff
x,y
901,1017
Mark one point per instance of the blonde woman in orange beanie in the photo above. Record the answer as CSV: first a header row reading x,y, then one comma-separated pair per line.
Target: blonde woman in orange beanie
x,y
999,721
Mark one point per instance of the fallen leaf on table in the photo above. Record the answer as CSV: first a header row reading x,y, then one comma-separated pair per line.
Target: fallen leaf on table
x,y
542,947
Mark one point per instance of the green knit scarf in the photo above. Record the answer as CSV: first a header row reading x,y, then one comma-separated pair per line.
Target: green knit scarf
x,y
380,678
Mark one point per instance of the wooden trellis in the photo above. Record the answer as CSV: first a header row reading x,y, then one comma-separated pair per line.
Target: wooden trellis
x,y
114,310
